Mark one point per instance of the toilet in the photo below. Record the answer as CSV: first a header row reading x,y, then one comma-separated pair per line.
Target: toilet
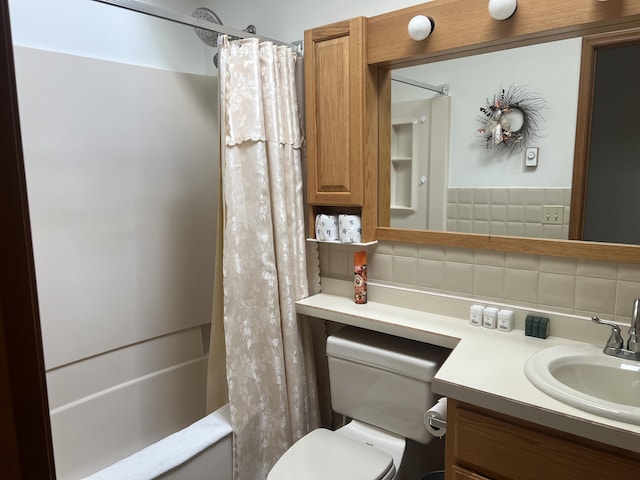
x,y
383,384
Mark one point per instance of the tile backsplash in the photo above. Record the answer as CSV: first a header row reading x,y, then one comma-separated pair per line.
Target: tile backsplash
x,y
507,211
564,285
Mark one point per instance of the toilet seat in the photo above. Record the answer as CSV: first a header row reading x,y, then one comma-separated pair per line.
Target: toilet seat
x,y
323,454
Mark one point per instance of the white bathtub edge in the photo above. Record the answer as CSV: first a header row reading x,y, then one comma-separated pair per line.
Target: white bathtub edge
x,y
171,451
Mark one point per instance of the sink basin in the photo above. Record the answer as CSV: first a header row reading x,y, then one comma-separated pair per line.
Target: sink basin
x,y
584,377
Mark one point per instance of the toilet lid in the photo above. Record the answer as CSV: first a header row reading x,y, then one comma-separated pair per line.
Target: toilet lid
x,y
323,454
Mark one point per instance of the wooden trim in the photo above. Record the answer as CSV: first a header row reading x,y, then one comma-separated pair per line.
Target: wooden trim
x,y
310,127
567,248
429,237
384,136
326,32
450,447
27,450
357,97
370,156
583,135
10,452
463,474
464,28
534,246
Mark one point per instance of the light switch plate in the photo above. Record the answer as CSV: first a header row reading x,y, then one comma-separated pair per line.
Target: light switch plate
x,y
552,214
531,157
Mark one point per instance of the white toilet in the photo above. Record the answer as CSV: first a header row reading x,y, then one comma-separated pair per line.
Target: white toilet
x,y
382,383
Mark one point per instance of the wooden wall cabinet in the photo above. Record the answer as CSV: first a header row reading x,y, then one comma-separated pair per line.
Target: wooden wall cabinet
x,y
341,123
483,444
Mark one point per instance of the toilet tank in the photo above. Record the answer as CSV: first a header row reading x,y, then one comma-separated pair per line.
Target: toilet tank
x,y
383,380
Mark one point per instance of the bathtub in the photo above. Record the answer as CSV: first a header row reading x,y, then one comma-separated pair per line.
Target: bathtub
x,y
201,450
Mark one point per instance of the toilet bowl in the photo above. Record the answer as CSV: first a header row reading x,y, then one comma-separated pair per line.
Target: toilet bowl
x,y
381,383
325,454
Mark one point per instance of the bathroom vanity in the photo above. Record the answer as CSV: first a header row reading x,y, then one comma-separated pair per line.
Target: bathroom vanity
x,y
499,425
483,443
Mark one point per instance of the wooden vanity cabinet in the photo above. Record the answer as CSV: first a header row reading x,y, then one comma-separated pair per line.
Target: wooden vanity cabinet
x,y
462,474
341,123
482,444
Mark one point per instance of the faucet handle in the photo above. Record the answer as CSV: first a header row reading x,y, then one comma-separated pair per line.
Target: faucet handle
x,y
615,342
634,344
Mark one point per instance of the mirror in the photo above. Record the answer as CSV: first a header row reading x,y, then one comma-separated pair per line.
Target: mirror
x,y
488,188
465,36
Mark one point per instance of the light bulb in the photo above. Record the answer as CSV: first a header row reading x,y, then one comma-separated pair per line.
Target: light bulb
x,y
420,27
502,9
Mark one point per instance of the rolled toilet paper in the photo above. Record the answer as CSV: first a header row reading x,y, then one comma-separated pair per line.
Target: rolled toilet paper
x,y
439,413
350,228
327,229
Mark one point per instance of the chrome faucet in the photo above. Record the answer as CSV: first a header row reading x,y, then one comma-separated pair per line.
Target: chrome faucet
x,y
632,343
615,344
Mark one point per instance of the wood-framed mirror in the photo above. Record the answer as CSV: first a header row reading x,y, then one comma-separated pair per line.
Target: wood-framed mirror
x,y
464,29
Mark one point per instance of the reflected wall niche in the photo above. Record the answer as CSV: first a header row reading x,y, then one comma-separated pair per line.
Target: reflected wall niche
x,y
492,190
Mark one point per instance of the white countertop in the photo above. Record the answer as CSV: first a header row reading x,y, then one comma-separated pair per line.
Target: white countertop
x,y
485,368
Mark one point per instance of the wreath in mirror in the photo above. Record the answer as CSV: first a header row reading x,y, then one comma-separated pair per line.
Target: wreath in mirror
x,y
511,118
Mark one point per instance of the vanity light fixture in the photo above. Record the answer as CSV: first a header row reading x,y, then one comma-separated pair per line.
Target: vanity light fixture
x,y
502,9
420,27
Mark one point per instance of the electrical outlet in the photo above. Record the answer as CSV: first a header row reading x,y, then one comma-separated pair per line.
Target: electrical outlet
x,y
552,214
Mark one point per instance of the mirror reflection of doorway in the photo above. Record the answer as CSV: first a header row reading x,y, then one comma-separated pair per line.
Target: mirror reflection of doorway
x,y
612,200
420,163
607,141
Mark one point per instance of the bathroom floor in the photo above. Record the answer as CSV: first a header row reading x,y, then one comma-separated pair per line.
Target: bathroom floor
x,y
421,459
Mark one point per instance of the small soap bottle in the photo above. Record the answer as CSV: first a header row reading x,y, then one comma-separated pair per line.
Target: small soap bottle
x,y
505,320
490,317
475,315
360,276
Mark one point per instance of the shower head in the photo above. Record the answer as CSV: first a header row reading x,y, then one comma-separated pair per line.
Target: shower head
x,y
207,36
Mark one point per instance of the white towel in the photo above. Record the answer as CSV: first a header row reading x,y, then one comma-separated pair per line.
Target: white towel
x,y
327,228
350,228
171,451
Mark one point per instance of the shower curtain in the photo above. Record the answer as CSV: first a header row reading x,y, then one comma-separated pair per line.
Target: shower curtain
x,y
272,391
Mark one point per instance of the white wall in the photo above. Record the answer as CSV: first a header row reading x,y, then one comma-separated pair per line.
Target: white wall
x,y
288,19
92,29
121,165
88,28
473,79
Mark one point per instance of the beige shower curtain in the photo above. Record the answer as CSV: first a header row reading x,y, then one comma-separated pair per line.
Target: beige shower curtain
x,y
271,391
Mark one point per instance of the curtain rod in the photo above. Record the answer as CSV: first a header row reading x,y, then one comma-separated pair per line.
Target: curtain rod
x,y
440,89
164,14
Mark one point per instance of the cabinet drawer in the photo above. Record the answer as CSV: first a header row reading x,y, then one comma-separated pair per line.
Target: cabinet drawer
x,y
463,474
499,448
